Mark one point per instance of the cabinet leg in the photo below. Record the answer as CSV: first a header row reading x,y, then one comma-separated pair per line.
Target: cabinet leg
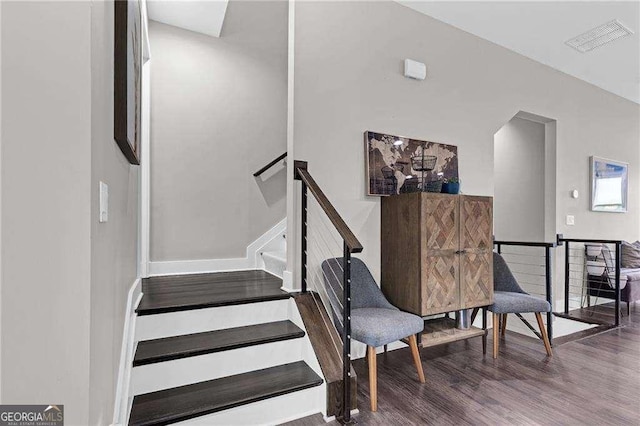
x,y
484,327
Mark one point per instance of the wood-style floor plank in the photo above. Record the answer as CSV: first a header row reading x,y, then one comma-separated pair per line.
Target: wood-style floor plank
x,y
186,402
197,291
177,347
591,381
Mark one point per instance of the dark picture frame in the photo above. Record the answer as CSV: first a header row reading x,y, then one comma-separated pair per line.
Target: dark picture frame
x,y
389,169
127,63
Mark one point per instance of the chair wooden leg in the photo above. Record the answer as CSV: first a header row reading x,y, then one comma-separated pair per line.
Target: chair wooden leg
x,y
543,332
413,343
496,329
504,324
373,377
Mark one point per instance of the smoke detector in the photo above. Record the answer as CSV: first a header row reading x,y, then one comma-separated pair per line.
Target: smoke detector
x,y
599,36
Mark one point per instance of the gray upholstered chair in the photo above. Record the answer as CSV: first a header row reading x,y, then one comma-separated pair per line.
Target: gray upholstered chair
x,y
510,298
374,321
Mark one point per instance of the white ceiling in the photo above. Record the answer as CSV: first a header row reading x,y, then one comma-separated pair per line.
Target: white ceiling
x,y
538,30
204,16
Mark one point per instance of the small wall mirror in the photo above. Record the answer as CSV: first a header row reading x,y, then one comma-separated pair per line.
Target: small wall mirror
x,y
609,185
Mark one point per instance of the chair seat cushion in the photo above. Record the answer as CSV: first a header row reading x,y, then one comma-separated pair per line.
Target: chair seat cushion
x,y
516,303
378,326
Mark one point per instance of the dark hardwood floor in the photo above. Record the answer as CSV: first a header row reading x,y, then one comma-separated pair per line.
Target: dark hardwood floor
x,y
591,381
185,292
603,314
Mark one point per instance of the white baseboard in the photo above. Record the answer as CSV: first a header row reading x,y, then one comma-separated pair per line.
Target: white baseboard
x,y
184,267
251,261
287,281
123,398
270,240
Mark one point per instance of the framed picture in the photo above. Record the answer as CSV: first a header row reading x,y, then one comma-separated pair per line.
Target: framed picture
x,y
127,78
609,185
397,164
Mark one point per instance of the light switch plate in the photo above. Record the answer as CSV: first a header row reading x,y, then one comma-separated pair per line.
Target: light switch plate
x,y
104,202
571,220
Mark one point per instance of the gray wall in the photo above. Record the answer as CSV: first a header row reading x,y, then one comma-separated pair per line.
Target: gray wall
x,y
65,277
519,176
114,243
46,169
348,79
218,113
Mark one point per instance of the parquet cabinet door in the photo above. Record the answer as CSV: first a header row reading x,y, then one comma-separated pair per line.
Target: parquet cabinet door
x,y
440,283
441,264
476,244
476,279
441,222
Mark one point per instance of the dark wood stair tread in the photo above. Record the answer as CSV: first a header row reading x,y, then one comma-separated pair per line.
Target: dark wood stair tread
x,y
176,347
198,399
185,292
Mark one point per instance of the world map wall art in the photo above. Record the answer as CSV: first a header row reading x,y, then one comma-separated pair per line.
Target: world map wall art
x,y
396,165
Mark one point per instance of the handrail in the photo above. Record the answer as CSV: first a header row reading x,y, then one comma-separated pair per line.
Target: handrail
x,y
523,243
350,244
350,240
561,240
271,164
548,276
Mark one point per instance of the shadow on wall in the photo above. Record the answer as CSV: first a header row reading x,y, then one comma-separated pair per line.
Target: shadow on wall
x,y
273,185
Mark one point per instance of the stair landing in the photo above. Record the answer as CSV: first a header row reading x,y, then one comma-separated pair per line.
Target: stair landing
x,y
185,292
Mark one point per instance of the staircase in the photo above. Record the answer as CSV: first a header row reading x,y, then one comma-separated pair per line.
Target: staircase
x,y
222,349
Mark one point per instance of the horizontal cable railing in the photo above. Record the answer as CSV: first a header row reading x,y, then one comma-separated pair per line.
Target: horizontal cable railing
x,y
270,164
592,280
327,244
531,264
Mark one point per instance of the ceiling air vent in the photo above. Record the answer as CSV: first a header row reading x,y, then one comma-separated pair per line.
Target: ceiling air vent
x,y
599,36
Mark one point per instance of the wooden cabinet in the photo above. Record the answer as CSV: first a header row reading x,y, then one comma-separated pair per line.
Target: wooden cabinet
x,y
437,252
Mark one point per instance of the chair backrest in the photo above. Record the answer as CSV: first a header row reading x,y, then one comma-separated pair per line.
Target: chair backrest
x,y
365,293
503,279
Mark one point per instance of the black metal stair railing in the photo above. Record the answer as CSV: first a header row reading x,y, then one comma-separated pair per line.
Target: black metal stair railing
x,y
531,263
327,244
592,269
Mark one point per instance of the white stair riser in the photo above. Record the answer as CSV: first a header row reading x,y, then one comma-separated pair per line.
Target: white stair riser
x,y
271,411
199,320
169,374
275,262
